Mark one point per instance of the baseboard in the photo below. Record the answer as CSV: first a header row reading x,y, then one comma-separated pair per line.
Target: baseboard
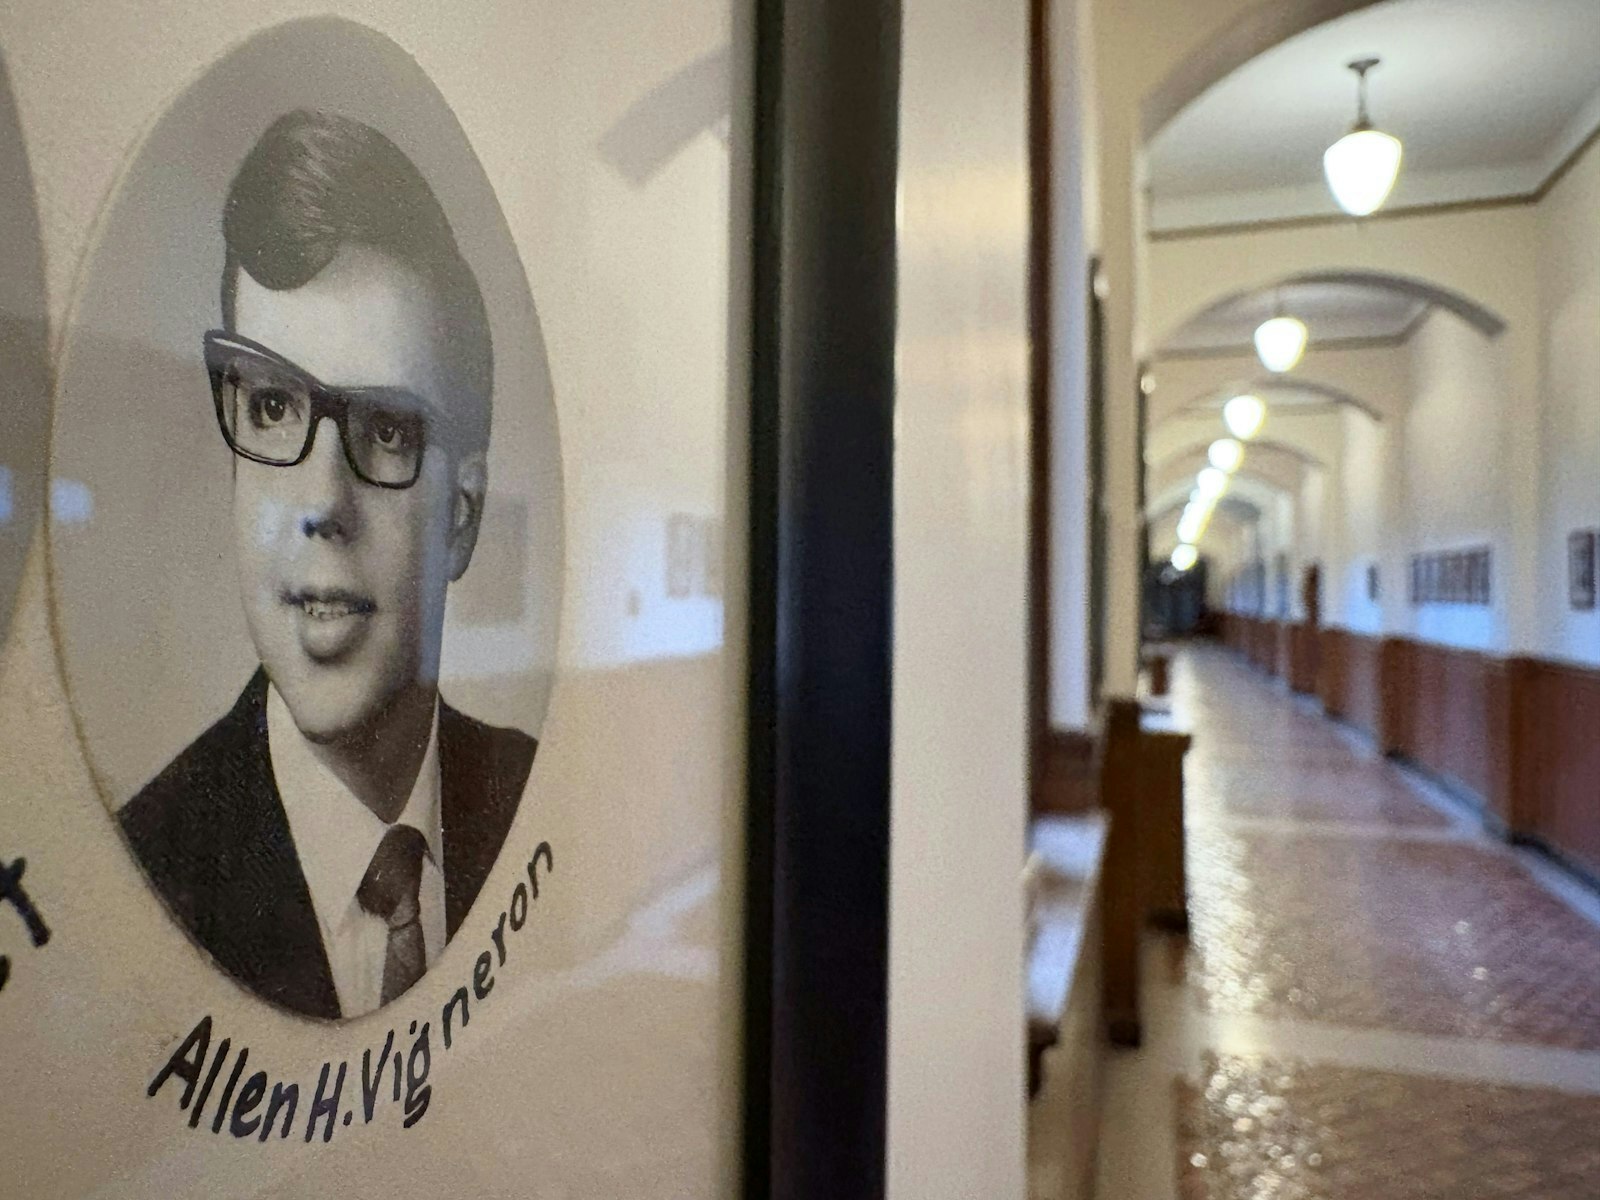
x,y
1581,872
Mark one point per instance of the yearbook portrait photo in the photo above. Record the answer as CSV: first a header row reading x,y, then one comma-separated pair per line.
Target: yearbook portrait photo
x,y
308,611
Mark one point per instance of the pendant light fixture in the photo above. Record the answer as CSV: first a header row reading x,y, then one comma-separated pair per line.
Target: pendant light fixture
x,y
1281,341
1244,415
1364,164
1212,483
1185,557
1226,455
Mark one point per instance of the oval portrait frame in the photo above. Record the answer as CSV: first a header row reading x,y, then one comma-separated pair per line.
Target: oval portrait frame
x,y
145,585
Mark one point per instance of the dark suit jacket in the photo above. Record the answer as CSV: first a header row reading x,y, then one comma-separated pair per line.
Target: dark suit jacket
x,y
212,836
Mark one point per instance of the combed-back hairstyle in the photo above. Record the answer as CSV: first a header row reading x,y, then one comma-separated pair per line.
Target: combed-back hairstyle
x,y
316,181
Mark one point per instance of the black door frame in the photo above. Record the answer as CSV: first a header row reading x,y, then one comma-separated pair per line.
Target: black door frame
x,y
821,578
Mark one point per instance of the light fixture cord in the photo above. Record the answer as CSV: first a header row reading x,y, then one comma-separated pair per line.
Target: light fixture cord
x,y
1361,67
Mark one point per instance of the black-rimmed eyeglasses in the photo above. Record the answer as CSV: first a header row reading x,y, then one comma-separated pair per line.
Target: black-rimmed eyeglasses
x,y
269,408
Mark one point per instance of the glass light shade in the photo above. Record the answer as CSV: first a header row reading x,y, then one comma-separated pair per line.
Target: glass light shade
x,y
1362,168
1185,557
1226,455
1212,482
1244,416
1281,343
1190,527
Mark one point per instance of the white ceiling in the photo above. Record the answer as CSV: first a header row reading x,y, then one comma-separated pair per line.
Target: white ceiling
x,y
1489,96
1335,312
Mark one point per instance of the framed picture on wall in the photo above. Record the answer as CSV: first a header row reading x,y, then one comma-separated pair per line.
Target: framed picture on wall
x,y
1581,569
1482,589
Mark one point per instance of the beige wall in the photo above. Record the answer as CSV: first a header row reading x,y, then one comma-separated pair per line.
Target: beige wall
x,y
1569,294
1072,190
1359,506
1459,479
960,799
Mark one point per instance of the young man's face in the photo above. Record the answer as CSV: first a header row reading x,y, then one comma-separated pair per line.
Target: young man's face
x,y
343,582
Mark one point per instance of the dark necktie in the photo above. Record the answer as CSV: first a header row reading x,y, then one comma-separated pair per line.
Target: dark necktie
x,y
390,890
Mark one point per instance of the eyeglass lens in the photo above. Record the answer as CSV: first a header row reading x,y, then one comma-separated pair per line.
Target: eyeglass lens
x,y
268,413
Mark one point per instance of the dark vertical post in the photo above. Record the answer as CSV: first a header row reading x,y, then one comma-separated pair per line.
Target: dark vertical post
x,y
1143,416
821,596
1041,194
1099,571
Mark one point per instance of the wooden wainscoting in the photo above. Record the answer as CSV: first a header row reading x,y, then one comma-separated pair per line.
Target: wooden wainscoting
x,y
1350,679
1520,737
1455,718
1557,760
1282,649
1331,671
1263,643
1305,644
1069,781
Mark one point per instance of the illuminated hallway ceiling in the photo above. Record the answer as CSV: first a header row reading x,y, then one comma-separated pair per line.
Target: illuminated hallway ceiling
x,y
1490,98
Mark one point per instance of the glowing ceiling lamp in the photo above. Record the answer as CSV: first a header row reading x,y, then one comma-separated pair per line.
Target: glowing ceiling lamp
x,y
1244,416
1185,557
1281,343
1226,455
1212,483
1364,164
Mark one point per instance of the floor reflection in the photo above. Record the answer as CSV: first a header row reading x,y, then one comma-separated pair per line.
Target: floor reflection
x,y
1378,1001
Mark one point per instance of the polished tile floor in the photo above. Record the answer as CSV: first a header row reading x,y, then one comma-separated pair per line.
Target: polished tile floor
x,y
1376,1002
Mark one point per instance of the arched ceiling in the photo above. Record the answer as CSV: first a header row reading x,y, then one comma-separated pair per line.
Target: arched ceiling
x,y
1248,494
1490,97
1372,379
1335,313
1287,458
1225,526
1283,473
1302,396
1346,308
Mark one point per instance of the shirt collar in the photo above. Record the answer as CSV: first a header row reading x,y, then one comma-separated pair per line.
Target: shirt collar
x,y
335,835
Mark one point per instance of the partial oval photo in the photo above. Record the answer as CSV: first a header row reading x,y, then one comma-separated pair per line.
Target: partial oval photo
x,y
306,582
24,358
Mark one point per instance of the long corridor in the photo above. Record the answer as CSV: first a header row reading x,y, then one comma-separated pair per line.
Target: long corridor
x,y
1376,1001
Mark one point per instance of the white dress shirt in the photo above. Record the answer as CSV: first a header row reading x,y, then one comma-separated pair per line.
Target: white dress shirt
x,y
335,836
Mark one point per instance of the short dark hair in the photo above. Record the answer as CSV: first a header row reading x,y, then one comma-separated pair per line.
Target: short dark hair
x,y
316,181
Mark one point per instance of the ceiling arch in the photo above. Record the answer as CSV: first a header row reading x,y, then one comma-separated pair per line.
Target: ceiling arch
x,y
1352,291
1489,97
1373,380
1247,487
1283,474
1268,387
1236,508
1256,448
1233,517
1254,33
